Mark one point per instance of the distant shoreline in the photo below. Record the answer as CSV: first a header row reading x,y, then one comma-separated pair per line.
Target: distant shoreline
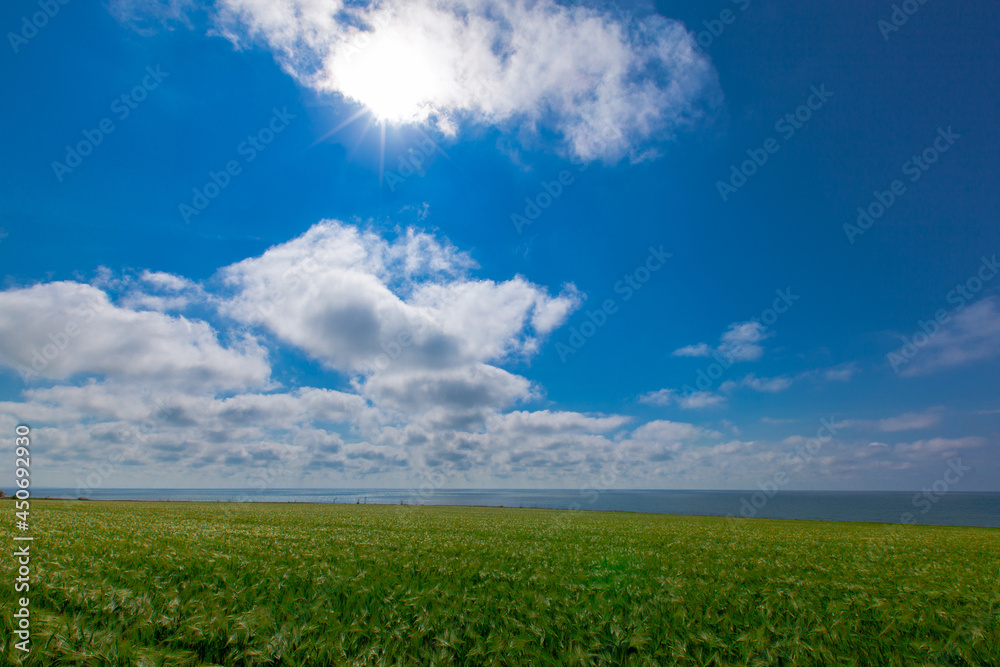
x,y
508,507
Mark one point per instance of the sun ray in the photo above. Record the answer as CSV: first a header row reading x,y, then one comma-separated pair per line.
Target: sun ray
x,y
381,156
341,126
359,140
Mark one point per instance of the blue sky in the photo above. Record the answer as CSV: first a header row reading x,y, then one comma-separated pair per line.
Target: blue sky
x,y
255,341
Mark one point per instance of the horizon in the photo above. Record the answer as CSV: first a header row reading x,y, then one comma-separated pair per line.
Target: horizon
x,y
443,489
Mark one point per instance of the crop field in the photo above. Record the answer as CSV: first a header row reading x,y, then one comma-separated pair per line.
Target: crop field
x,y
127,583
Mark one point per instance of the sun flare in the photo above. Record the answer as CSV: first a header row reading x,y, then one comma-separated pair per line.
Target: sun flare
x,y
393,77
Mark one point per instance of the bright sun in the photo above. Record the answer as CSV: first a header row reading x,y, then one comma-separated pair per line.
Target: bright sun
x,y
393,78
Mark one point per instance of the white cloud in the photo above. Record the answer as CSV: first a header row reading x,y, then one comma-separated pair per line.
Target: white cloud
x,y
701,399
673,432
146,16
766,385
689,401
740,342
607,83
699,350
842,373
972,335
545,422
195,403
167,281
364,305
418,338
159,291
911,421
937,448
462,394
66,330
664,443
660,397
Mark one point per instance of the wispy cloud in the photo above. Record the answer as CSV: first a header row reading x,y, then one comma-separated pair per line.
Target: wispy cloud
x,y
972,335
841,373
780,383
910,421
766,385
777,421
693,401
937,448
740,342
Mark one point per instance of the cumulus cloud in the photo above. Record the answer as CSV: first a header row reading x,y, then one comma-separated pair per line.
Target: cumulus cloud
x,y
64,330
159,291
664,431
422,351
459,397
401,315
546,422
417,339
607,83
362,304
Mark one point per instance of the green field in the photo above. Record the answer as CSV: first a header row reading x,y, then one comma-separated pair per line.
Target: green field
x,y
291,584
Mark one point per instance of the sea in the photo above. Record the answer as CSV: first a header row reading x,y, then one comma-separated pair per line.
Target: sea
x,y
948,509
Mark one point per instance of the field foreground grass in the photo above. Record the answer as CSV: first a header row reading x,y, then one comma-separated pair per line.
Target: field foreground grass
x,y
128,583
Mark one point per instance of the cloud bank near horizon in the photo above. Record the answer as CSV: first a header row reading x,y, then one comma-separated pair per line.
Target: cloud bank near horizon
x,y
155,376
